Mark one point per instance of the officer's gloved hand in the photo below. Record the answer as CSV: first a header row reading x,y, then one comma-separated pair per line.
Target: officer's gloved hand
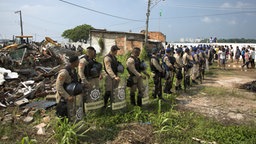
x,y
86,84
117,78
70,98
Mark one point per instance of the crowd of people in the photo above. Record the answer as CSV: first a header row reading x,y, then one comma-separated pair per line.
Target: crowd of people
x,y
78,83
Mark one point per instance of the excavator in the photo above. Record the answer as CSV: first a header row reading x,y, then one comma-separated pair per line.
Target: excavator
x,y
19,41
51,41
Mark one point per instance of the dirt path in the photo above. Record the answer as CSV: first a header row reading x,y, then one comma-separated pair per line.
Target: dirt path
x,y
220,97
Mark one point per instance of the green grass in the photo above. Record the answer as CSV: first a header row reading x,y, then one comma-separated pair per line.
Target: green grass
x,y
170,125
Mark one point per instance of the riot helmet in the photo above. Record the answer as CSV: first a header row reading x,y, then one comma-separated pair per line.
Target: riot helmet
x,y
96,70
120,68
143,65
74,88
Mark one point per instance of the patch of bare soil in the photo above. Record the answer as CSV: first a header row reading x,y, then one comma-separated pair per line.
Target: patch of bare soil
x,y
237,105
135,133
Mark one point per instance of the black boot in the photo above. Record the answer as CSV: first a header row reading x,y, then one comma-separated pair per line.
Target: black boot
x,y
106,97
188,81
132,98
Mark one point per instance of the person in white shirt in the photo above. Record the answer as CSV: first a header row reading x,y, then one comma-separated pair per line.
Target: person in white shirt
x,y
222,57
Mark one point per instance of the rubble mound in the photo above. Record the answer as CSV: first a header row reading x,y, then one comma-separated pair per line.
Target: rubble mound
x,y
251,86
135,134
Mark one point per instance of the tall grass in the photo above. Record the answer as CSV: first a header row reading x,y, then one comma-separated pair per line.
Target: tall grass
x,y
68,133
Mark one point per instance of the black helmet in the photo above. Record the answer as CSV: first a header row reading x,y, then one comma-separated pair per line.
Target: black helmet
x,y
74,88
143,66
120,68
96,69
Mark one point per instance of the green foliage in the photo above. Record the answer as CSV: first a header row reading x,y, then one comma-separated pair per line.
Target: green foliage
x,y
68,133
144,54
101,44
79,33
27,140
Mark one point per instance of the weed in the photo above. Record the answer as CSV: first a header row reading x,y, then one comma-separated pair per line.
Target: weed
x,y
27,140
68,133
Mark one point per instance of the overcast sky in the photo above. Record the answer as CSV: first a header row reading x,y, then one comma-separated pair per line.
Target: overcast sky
x,y
179,19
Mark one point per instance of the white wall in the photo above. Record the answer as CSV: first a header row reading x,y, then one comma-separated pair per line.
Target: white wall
x,y
233,44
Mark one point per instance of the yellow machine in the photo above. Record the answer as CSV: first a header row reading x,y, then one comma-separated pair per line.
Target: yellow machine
x,y
18,41
51,41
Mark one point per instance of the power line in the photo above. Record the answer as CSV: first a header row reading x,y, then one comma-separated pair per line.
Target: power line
x,y
218,14
99,11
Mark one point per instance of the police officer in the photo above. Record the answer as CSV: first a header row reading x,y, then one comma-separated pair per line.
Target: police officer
x,y
111,69
168,63
178,58
89,71
195,69
135,69
88,74
65,101
157,70
187,58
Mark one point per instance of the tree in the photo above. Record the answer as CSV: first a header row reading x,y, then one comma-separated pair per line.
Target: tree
x,y
79,33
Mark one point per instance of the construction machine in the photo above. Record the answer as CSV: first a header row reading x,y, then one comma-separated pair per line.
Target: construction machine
x,y
51,41
19,42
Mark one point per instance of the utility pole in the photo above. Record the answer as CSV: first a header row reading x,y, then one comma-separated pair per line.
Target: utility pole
x,y
147,14
21,28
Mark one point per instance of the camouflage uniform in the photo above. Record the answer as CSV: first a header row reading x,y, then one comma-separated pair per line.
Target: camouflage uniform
x,y
186,58
110,66
178,70
133,67
65,76
195,69
157,70
91,81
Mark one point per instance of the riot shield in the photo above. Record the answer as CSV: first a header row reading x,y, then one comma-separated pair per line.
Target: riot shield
x,y
79,107
93,98
145,98
119,95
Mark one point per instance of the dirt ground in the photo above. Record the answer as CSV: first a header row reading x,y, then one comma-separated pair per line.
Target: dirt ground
x,y
233,105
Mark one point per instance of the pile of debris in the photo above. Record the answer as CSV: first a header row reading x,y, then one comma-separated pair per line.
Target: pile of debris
x,y
251,86
29,71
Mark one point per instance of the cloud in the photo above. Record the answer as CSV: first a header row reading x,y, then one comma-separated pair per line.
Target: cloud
x,y
232,22
237,5
226,5
207,20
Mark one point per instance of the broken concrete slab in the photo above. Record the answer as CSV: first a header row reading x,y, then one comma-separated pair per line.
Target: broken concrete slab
x,y
50,97
2,105
28,119
41,131
21,102
4,137
41,125
10,74
7,74
33,112
46,119
25,111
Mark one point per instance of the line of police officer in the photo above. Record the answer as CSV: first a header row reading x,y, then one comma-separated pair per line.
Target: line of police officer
x,y
189,62
69,85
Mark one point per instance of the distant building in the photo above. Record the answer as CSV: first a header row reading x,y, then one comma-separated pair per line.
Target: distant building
x,y
126,41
